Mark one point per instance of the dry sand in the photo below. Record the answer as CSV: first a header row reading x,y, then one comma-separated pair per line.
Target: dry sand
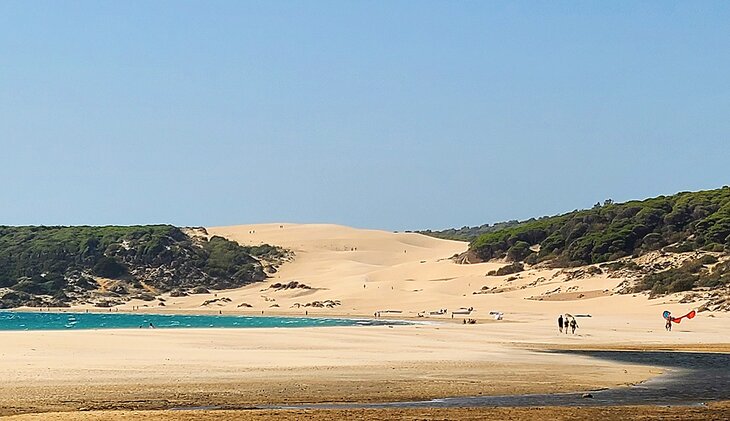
x,y
365,271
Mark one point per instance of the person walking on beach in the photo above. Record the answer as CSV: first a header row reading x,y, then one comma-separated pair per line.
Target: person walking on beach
x,y
573,325
668,326
560,323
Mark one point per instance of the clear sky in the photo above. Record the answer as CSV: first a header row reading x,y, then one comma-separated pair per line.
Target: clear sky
x,y
379,114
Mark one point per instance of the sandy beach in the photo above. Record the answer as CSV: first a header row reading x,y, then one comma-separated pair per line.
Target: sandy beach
x,y
364,272
364,210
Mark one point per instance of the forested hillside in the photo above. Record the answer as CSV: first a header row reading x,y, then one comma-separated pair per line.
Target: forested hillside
x,y
60,265
687,221
467,233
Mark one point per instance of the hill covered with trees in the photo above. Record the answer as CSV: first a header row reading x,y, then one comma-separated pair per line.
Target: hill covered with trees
x,y
467,233
687,221
61,265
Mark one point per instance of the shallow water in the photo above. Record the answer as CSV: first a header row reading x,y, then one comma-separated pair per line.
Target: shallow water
x,y
690,379
10,320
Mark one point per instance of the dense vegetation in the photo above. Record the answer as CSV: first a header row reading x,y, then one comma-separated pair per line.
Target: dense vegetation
x,y
467,233
687,221
682,222
54,265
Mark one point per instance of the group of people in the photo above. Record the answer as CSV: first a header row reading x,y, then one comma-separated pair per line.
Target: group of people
x,y
567,322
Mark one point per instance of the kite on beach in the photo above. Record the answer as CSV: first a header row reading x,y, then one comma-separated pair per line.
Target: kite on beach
x,y
668,316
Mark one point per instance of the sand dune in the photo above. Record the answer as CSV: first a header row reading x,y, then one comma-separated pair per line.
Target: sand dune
x,y
369,271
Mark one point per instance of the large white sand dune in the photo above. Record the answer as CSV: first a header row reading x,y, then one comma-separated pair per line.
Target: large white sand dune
x,y
367,271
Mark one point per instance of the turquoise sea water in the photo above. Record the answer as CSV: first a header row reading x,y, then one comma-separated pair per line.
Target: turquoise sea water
x,y
10,320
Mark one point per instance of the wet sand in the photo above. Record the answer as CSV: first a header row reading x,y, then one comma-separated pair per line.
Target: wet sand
x,y
369,384
716,347
690,378
161,369
712,412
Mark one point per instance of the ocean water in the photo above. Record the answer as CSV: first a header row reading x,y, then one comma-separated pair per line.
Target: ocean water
x,y
10,320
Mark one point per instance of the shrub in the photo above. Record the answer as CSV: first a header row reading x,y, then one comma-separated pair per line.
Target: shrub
x,y
507,270
518,251
109,268
708,259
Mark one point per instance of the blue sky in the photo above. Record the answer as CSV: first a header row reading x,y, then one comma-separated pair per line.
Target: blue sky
x,y
379,114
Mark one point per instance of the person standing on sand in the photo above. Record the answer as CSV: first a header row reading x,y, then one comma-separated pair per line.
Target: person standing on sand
x,y
573,325
668,326
560,323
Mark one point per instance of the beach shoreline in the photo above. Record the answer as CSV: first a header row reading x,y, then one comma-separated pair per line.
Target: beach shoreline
x,y
160,369
364,272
